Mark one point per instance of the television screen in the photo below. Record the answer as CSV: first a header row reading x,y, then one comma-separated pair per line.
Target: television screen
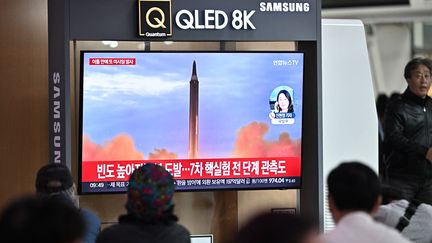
x,y
202,238
215,120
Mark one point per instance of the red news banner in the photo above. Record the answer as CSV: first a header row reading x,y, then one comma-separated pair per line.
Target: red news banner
x,y
183,169
112,61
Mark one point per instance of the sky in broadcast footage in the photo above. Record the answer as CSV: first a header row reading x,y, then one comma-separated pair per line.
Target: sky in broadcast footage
x,y
150,100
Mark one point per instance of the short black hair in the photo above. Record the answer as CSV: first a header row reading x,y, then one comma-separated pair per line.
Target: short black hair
x,y
34,219
394,96
59,173
281,228
381,103
414,64
354,186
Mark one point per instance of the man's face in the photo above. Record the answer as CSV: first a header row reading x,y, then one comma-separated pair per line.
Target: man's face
x,y
420,81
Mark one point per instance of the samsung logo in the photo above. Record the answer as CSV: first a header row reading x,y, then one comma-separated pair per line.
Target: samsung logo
x,y
283,7
56,117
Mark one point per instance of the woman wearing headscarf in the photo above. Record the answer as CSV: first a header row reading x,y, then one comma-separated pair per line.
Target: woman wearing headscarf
x,y
149,206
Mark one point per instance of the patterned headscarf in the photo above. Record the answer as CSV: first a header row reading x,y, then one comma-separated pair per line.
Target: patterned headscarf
x,y
150,191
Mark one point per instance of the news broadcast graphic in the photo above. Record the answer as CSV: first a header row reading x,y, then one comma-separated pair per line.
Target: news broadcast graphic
x,y
282,106
215,120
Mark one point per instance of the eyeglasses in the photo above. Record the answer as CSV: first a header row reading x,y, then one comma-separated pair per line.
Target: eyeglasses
x,y
420,75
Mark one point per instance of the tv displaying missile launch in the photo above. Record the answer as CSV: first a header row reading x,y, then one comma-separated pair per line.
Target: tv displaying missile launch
x,y
214,120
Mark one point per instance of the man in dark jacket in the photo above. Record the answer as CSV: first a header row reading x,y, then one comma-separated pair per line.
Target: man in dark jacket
x,y
408,134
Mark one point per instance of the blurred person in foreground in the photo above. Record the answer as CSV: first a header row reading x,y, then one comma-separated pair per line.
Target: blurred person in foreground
x,y
34,219
413,219
278,228
55,180
408,132
354,196
149,206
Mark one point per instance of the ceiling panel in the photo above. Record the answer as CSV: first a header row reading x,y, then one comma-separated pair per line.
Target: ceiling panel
x,y
361,3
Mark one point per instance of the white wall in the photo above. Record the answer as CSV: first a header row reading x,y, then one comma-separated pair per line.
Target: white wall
x,y
350,123
390,50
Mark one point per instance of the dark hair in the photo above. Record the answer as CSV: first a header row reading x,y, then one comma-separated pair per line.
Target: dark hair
x,y
40,220
395,96
353,186
381,103
414,64
281,228
287,94
53,178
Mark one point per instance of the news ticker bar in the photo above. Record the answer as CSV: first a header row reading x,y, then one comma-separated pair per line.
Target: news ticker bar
x,y
202,184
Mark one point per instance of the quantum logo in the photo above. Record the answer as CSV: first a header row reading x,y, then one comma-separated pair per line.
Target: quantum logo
x,y
155,18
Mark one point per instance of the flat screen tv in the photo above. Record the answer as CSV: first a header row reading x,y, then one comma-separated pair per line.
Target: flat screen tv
x,y
215,120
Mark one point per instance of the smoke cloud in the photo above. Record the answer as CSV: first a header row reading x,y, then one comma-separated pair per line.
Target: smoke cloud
x,y
251,143
121,147
162,154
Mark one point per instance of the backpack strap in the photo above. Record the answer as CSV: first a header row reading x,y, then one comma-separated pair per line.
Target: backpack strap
x,y
409,212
